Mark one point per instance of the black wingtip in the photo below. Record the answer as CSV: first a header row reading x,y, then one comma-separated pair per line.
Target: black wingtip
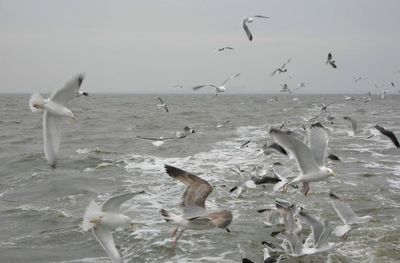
x,y
263,210
228,230
173,171
53,167
80,79
233,189
317,124
85,93
332,195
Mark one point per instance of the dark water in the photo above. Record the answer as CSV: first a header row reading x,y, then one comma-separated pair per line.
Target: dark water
x,y
41,211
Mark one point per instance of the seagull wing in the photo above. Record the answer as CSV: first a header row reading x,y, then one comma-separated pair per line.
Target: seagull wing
x,y
329,57
231,77
113,204
274,72
68,92
304,158
202,86
259,16
332,64
162,102
166,108
317,228
247,30
197,189
388,134
343,209
106,240
155,139
318,143
353,123
52,137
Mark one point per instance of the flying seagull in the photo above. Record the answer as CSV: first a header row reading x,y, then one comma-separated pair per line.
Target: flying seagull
x,y
223,48
186,132
282,69
247,20
101,219
357,79
310,160
285,88
330,61
349,218
388,134
158,141
162,104
218,89
194,215
353,124
53,109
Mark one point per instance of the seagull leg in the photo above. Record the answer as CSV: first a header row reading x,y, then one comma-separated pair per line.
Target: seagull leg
x,y
174,231
305,188
177,238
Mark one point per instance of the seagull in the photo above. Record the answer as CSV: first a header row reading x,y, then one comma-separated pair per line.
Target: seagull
x,y
388,134
53,109
392,83
282,69
101,219
347,215
194,215
222,124
285,88
319,236
353,124
357,79
186,132
288,210
178,86
330,61
247,20
299,86
162,104
223,48
157,141
245,183
218,89
310,160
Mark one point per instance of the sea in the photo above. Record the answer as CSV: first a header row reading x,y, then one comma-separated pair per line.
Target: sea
x,y
100,156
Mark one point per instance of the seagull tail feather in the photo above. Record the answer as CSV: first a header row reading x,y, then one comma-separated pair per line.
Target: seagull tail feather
x,y
170,217
91,216
342,231
36,103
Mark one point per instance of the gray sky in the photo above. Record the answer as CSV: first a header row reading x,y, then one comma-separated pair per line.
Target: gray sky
x,y
149,46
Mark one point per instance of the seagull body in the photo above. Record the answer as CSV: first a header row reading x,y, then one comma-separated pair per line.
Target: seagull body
x,y
347,215
310,160
194,215
158,141
285,88
186,132
248,20
357,79
330,61
162,105
218,89
100,219
282,69
223,48
54,108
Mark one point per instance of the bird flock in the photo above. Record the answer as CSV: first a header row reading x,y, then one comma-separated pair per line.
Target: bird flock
x,y
306,146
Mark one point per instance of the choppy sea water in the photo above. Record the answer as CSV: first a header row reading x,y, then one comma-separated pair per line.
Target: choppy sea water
x,y
100,156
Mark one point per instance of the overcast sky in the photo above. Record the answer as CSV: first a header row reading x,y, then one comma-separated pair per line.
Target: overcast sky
x,y
150,46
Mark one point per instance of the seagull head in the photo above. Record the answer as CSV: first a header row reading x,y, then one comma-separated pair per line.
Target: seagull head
x,y
221,89
330,172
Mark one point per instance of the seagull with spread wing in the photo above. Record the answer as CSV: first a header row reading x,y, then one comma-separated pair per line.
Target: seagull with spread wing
x,y
282,69
53,108
330,61
194,216
162,105
349,218
248,20
101,219
310,159
218,89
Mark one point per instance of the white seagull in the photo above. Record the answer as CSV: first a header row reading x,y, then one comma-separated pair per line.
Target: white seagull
x,y
349,218
54,108
310,160
162,105
282,69
330,61
224,48
247,20
100,219
285,88
218,89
